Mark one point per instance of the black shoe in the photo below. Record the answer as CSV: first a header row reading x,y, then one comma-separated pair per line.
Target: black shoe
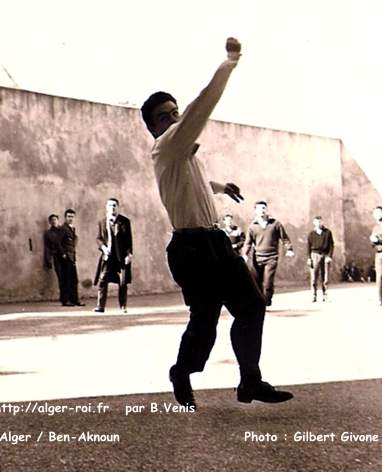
x,y
268,302
68,304
314,299
182,388
263,392
99,310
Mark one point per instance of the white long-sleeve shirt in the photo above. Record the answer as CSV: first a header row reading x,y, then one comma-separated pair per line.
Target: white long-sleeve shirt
x,y
184,189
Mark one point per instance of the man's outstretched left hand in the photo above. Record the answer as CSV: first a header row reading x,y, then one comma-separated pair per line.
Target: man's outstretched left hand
x,y
233,191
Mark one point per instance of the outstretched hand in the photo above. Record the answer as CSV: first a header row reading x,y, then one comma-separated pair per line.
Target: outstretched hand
x,y
233,191
233,48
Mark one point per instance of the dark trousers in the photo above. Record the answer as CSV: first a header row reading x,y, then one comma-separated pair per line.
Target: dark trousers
x,y
211,275
319,270
264,272
378,270
58,268
69,281
111,274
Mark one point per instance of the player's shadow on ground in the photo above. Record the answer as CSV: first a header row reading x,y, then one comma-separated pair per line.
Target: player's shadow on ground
x,y
58,326
41,326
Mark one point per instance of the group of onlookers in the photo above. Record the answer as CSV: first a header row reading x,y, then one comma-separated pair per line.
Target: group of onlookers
x,y
263,237
115,244
60,243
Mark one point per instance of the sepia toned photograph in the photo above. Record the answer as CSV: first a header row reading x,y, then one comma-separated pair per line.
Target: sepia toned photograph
x,y
191,253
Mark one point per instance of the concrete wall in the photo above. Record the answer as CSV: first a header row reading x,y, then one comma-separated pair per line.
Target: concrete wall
x,y
298,175
57,153
359,197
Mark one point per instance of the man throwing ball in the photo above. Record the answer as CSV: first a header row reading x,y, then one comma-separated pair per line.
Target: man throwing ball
x,y
200,255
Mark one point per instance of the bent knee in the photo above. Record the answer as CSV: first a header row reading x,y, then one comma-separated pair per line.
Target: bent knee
x,y
248,308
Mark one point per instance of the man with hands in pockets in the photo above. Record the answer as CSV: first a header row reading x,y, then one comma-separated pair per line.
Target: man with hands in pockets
x,y
115,242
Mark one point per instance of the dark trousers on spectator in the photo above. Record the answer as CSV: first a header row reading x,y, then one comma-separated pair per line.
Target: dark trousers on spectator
x,y
319,270
110,273
264,271
69,281
58,268
211,275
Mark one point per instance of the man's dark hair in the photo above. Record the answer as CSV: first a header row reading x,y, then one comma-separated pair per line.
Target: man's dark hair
x,y
228,214
50,217
69,211
318,217
152,102
112,199
261,202
378,207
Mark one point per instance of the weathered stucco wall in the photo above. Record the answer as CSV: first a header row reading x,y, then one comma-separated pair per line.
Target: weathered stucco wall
x,y
57,153
360,197
298,175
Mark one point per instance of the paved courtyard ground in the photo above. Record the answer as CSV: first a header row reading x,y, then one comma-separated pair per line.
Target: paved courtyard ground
x,y
70,371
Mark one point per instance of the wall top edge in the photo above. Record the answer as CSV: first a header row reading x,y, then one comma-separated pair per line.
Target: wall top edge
x,y
131,107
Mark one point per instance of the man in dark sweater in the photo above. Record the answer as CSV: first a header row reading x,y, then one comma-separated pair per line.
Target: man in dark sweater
x,y
53,252
320,253
264,235
234,233
376,240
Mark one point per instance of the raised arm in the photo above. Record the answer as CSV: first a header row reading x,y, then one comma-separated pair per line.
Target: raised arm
x,y
195,117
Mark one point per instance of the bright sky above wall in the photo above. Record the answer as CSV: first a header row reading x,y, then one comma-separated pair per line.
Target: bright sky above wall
x,y
311,66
